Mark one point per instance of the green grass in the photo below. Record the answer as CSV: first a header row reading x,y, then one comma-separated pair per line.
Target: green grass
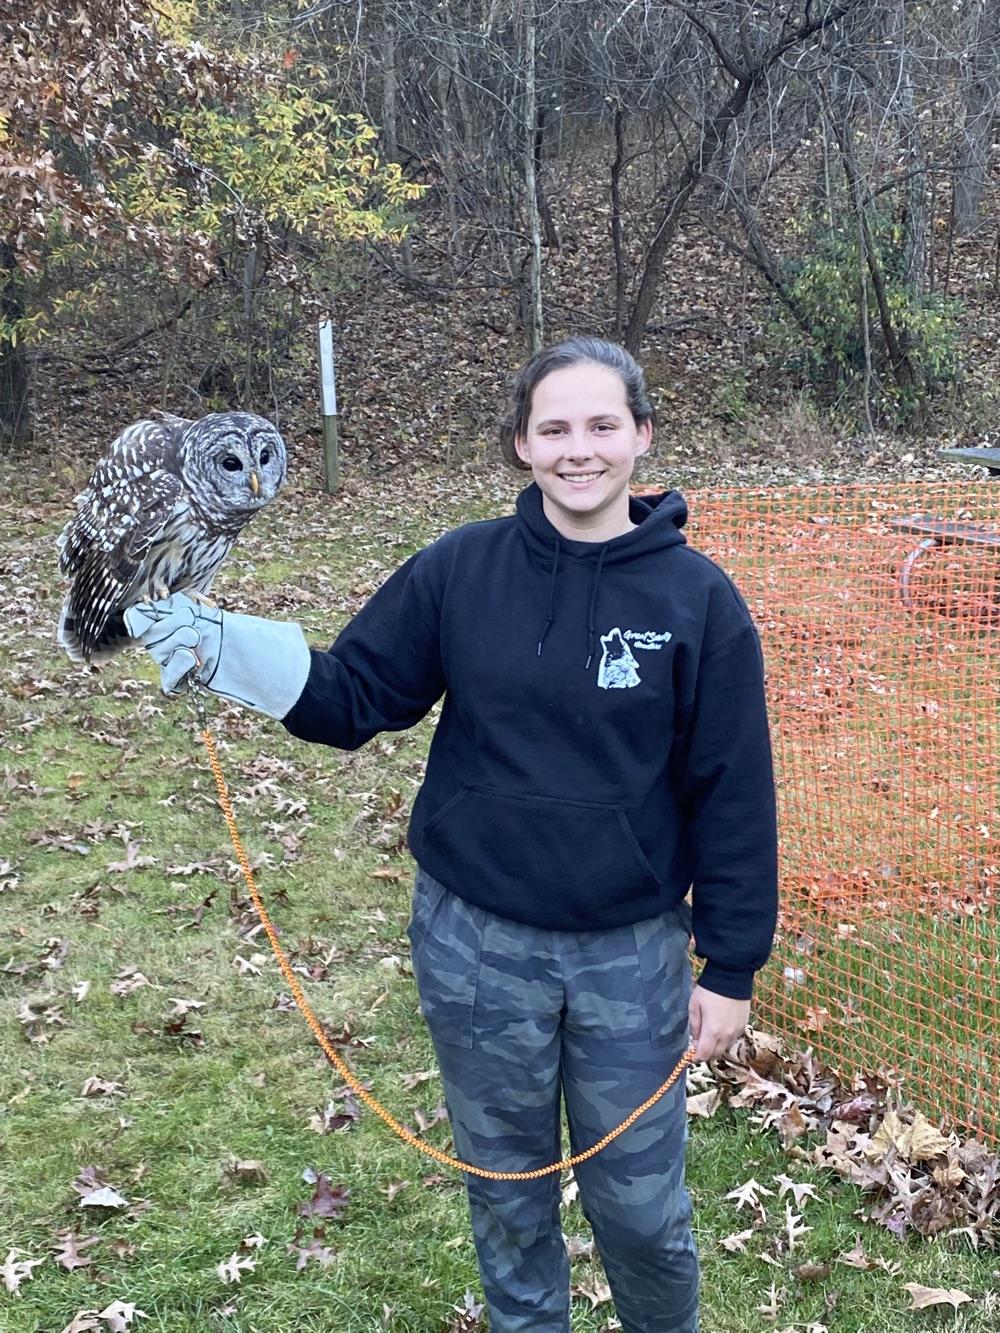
x,y
98,750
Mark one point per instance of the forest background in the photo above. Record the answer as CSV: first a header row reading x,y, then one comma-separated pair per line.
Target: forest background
x,y
790,211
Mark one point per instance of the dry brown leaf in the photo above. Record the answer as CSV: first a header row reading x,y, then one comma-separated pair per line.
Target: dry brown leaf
x,y
14,1271
800,1189
795,1229
244,1172
233,1268
737,1242
855,1258
774,1299
411,1081
596,1291
924,1297
704,1103
916,1142
119,1315
82,1322
746,1196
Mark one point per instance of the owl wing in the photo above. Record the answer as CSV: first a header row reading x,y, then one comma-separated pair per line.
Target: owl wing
x,y
125,505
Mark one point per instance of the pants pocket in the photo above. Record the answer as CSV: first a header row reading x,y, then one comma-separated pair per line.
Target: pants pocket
x,y
665,967
446,938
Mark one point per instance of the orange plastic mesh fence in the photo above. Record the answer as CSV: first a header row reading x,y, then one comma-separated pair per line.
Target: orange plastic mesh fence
x,y
879,610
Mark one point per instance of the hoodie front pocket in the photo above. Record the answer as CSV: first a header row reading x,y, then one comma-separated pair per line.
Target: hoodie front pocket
x,y
534,849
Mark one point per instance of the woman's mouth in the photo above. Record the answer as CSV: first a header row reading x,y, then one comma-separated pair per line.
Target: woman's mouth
x,y
580,479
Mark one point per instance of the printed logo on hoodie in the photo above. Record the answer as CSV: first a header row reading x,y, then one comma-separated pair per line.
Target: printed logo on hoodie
x,y
619,667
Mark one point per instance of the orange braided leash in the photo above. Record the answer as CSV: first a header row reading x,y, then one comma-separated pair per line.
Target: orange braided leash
x,y
339,1064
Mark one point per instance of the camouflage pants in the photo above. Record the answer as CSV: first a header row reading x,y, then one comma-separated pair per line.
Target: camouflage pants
x,y
519,1015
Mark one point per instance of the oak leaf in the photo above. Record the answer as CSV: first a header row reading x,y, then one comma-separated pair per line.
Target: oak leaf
x,y
924,1297
14,1271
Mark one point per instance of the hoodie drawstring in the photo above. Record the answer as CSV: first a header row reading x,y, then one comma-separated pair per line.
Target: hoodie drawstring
x,y
552,598
593,608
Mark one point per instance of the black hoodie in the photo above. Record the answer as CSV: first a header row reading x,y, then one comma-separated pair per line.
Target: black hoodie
x,y
603,744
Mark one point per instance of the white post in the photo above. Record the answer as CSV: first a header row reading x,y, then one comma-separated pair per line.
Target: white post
x,y
328,402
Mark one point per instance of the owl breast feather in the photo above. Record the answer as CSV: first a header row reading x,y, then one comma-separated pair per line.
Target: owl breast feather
x,y
182,557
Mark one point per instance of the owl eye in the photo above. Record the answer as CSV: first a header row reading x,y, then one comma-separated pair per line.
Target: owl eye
x,y
232,464
265,457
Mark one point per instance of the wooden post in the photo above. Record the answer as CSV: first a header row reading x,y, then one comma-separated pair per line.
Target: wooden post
x,y
328,402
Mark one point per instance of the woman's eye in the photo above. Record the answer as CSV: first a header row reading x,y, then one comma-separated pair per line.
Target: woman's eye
x,y
265,458
232,464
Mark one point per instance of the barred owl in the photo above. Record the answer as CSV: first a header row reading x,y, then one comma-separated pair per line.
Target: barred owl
x,y
160,513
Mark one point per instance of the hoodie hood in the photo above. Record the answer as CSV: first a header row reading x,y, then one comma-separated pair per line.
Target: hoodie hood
x,y
658,520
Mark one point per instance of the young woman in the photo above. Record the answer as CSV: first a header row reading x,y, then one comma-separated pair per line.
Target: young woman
x,y
603,747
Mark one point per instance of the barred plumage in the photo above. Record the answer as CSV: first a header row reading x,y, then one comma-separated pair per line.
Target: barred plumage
x,y
160,513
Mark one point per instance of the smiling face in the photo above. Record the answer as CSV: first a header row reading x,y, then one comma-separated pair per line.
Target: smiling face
x,y
581,443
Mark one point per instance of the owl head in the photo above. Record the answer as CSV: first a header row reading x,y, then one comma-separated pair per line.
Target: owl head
x,y
233,463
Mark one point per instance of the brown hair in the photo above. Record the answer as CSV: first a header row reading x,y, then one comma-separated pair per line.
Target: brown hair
x,y
572,352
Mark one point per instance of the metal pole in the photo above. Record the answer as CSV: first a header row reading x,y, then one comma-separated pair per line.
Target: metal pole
x,y
328,400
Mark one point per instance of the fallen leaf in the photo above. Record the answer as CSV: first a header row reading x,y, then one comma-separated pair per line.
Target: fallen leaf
x,y
795,1229
704,1103
411,1081
745,1196
69,1252
774,1299
327,1200
14,1271
923,1297
314,1250
737,1242
579,1247
119,1315
233,1268
129,979
596,1291
101,1087
800,1189
245,1172
811,1272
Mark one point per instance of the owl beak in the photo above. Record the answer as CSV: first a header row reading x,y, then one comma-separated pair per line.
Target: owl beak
x,y
255,483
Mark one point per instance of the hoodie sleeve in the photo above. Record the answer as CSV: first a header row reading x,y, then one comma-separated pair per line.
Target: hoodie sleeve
x,y
382,673
723,772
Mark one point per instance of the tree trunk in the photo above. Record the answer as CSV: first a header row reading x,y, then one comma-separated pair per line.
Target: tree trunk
x,y
902,367
981,94
711,137
544,212
15,410
535,321
617,169
911,141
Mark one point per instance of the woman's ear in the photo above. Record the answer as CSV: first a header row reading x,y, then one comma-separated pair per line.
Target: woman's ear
x,y
645,433
522,450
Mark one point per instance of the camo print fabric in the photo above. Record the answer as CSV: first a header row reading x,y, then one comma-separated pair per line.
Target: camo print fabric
x,y
521,1016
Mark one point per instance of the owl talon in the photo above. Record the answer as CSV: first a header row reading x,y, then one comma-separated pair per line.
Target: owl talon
x,y
201,599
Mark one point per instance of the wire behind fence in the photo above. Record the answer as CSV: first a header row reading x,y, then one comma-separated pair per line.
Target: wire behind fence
x,y
884,685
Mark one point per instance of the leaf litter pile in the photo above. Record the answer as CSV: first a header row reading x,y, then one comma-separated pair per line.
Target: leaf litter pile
x,y
919,1180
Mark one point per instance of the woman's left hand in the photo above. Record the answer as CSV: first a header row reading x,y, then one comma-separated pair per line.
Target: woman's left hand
x,y
716,1022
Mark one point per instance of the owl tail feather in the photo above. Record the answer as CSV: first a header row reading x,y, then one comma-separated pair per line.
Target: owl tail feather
x,y
113,638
